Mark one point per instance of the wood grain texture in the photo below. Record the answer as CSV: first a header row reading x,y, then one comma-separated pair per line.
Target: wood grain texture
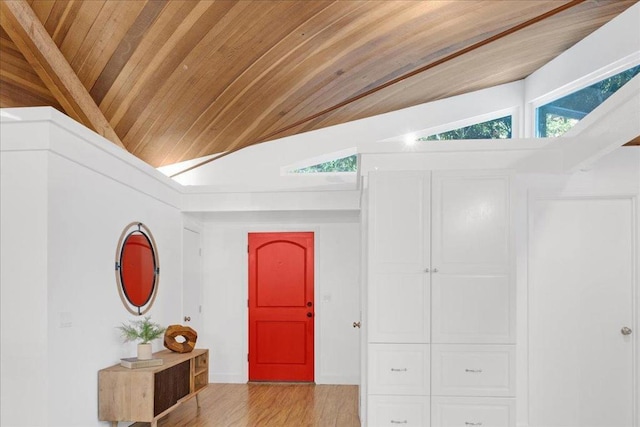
x,y
20,85
382,85
188,334
182,79
171,385
24,29
125,49
147,394
635,141
504,60
269,405
540,41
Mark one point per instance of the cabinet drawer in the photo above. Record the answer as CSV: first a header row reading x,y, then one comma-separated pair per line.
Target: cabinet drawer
x,y
472,411
399,369
473,370
398,411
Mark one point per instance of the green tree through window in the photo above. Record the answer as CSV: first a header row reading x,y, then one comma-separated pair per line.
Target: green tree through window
x,y
492,129
557,117
345,164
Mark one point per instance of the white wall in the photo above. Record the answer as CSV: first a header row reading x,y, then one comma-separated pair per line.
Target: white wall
x,y
199,199
337,268
66,197
23,289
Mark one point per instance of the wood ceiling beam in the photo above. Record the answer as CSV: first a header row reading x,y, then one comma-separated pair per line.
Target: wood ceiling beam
x,y
29,35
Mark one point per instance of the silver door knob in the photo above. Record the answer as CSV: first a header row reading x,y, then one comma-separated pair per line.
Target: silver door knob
x,y
625,331
356,324
187,318
435,270
426,270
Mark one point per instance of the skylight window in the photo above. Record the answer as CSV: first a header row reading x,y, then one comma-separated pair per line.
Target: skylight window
x,y
344,164
493,129
557,117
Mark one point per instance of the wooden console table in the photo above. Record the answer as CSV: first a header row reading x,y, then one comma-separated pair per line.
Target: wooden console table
x,y
148,394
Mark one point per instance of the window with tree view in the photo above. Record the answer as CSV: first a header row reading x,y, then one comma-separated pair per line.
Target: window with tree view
x,y
557,117
345,164
492,129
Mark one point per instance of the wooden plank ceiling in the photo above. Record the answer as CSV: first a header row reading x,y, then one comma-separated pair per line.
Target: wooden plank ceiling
x,y
178,80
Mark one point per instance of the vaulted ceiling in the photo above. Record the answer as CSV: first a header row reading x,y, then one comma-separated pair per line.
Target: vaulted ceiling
x,y
176,80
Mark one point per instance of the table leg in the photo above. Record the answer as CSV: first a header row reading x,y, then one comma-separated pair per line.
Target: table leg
x,y
198,401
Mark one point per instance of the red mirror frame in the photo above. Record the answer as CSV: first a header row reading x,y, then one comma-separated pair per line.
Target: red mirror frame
x,y
137,268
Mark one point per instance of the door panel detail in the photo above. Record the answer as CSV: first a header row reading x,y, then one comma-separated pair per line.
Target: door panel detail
x,y
281,300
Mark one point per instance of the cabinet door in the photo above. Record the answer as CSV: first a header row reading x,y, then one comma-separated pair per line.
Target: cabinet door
x,y
399,253
399,222
171,385
471,222
472,288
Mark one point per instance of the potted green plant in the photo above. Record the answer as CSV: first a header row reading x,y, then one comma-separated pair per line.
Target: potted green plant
x,y
144,331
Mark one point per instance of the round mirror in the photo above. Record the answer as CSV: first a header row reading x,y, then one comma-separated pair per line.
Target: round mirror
x,y
137,269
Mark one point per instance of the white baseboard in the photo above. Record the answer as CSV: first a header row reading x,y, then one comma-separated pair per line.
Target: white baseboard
x,y
323,379
338,379
227,378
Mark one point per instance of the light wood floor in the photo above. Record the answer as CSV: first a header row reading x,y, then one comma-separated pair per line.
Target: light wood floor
x,y
268,405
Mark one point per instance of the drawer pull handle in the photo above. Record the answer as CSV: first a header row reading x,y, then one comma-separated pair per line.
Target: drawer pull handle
x,y
398,370
399,422
472,424
474,371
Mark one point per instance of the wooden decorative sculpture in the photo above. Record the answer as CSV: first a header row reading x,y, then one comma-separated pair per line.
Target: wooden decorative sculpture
x,y
174,331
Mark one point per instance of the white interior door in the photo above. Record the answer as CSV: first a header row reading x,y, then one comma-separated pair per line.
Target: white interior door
x,y
192,280
581,296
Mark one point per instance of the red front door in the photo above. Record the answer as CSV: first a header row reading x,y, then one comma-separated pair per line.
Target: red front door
x,y
281,307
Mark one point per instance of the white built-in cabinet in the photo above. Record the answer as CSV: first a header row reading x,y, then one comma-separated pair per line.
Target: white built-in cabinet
x,y
441,302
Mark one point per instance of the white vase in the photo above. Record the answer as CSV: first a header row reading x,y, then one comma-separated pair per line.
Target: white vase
x,y
144,351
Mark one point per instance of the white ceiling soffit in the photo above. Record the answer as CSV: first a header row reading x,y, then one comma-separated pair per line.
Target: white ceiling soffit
x,y
175,168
